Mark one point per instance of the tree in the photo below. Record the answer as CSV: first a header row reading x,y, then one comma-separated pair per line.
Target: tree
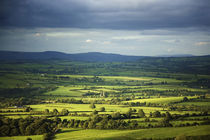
x,y
129,113
57,120
49,136
134,124
92,106
55,112
85,125
116,115
133,97
168,116
141,113
4,130
156,114
103,123
28,109
46,111
102,109
96,118
95,112
185,99
165,123
92,124
64,112
30,130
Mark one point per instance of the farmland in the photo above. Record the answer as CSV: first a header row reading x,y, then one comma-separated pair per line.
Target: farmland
x,y
104,100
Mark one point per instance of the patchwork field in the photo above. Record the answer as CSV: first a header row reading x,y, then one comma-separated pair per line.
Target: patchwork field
x,y
107,101
80,134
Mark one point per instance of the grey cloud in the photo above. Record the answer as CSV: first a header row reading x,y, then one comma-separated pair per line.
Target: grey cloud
x,y
108,14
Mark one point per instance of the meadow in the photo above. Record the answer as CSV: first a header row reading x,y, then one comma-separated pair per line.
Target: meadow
x,y
157,133
95,100
133,134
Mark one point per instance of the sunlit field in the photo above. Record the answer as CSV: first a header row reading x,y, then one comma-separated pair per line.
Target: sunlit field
x,y
89,106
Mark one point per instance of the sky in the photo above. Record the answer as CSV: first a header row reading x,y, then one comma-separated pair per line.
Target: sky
x,y
129,27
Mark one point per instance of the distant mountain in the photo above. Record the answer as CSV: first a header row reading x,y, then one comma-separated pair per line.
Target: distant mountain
x,y
176,55
88,57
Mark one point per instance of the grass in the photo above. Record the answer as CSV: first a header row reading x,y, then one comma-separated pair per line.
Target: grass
x,y
23,116
34,137
142,84
74,117
125,78
196,103
77,107
73,91
163,100
91,134
84,108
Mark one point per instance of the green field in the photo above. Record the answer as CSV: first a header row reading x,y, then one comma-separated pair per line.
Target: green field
x,y
80,134
66,91
196,103
109,101
36,137
165,100
133,134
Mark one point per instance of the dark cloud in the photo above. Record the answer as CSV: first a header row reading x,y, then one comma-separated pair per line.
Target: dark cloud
x,y
109,14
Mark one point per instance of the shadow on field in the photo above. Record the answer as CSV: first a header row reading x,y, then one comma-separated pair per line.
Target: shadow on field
x,y
117,138
65,131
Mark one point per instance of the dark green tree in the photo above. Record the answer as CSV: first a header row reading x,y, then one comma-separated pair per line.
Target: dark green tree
x,y
168,116
156,114
46,111
116,115
102,109
129,113
64,112
141,113
92,124
55,112
92,106
185,99
94,112
49,136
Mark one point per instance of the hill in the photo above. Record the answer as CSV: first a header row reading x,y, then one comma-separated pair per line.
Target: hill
x,y
91,56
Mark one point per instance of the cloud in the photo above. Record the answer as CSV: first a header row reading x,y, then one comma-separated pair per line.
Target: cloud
x,y
37,34
106,42
105,14
63,34
130,42
88,41
127,37
202,43
169,50
172,41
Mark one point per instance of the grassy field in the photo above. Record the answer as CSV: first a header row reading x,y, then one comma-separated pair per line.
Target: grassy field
x,y
196,103
78,107
35,137
132,134
62,84
92,134
73,91
164,100
85,108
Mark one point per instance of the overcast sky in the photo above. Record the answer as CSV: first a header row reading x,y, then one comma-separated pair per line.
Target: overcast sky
x,y
131,27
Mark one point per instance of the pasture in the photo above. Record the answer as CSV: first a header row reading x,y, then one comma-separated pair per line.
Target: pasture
x,y
121,88
161,100
132,134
